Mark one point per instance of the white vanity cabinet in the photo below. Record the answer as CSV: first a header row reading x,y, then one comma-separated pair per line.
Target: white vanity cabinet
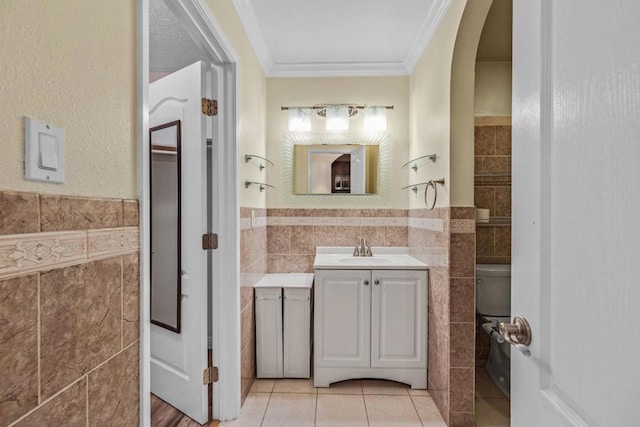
x,y
370,324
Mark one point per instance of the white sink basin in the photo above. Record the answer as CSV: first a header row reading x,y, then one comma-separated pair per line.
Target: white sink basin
x,y
384,258
364,260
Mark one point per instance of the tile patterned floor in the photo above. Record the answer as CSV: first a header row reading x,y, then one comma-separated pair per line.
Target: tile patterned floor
x,y
351,403
492,407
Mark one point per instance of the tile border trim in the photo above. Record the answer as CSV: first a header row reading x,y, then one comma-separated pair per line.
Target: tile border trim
x,y
23,254
326,221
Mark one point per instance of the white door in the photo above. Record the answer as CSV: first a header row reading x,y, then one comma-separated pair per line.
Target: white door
x,y
358,170
178,359
342,318
576,211
399,319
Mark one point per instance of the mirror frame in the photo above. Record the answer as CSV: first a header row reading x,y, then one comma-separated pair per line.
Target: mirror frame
x,y
291,139
176,124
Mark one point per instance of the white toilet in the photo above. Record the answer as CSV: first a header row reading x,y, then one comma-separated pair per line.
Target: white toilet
x,y
493,304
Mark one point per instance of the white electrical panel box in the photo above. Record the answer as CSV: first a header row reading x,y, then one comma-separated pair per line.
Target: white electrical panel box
x,y
43,152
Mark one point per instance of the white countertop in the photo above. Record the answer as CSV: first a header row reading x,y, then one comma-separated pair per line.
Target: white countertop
x,y
341,258
286,280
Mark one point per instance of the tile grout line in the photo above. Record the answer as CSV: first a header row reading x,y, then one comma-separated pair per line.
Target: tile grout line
x,y
415,409
87,397
38,337
264,414
366,413
122,302
49,399
315,413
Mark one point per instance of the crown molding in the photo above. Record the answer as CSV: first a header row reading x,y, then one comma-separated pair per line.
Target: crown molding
x,y
428,28
256,39
339,69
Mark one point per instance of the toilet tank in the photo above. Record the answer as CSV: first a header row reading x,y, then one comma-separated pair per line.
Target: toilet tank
x,y
493,289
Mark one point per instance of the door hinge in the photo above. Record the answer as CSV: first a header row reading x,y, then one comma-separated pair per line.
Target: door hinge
x,y
209,107
209,241
210,375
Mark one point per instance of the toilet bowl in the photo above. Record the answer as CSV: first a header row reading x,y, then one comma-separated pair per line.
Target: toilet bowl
x,y
493,304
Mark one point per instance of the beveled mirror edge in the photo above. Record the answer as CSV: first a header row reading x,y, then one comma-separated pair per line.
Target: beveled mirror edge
x,y
382,139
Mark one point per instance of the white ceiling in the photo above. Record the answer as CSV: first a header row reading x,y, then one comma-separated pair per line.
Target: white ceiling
x,y
170,47
339,37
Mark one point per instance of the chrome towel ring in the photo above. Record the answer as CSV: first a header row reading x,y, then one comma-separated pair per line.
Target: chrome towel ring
x,y
432,184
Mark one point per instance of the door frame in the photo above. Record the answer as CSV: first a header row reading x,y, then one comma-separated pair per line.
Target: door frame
x,y
202,26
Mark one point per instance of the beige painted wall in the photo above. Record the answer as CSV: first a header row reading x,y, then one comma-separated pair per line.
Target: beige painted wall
x,y
81,80
493,89
362,90
430,104
252,87
462,102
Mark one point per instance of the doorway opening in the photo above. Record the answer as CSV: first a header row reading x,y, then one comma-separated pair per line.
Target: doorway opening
x,y
185,60
492,198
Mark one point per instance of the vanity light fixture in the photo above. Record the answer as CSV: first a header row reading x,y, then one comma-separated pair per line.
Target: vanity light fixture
x,y
375,119
300,119
338,115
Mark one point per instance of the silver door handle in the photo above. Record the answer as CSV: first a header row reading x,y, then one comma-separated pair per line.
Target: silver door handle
x,y
518,334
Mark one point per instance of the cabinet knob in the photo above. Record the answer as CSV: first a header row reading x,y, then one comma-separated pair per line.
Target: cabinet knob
x,y
377,282
366,283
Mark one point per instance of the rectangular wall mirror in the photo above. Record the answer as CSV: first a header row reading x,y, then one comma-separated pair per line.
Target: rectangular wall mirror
x,y
335,169
166,292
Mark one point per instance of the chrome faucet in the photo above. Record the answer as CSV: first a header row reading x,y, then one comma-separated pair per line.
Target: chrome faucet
x,y
364,249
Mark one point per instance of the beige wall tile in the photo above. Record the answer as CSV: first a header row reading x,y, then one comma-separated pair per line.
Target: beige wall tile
x,y
278,240
58,213
114,390
68,409
347,236
503,241
503,140
484,198
18,347
485,238
461,419
80,321
462,345
375,235
130,213
462,389
302,240
396,236
485,140
324,235
495,164
130,298
502,201
20,213
463,212
462,300
463,254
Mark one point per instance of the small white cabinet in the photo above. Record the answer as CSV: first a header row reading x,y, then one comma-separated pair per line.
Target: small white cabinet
x,y
283,325
370,324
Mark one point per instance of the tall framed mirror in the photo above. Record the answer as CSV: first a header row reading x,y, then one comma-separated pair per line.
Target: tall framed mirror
x,y
164,168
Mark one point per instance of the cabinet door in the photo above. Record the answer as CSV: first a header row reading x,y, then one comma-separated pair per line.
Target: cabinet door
x,y
342,316
269,332
399,319
297,333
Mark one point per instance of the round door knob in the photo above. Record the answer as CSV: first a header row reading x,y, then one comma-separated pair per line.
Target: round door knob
x,y
377,282
516,333
366,283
